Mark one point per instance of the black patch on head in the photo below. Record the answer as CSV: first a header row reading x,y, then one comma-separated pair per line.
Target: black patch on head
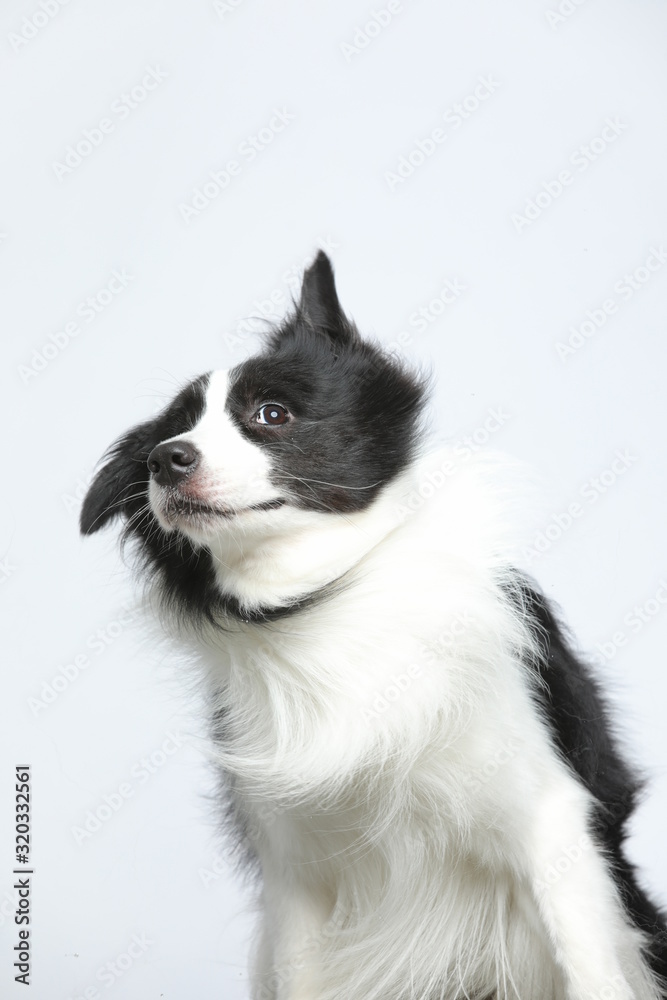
x,y
319,307
571,703
354,423
355,410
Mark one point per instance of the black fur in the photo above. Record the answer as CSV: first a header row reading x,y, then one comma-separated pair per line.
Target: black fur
x,y
570,701
356,409
356,422
120,489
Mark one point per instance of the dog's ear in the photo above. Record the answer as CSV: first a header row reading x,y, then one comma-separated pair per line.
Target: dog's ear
x,y
120,485
319,305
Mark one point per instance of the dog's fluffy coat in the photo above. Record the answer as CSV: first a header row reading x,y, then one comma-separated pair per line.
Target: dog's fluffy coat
x,y
415,760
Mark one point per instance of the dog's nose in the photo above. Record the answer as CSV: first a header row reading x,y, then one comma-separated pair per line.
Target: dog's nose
x,y
171,462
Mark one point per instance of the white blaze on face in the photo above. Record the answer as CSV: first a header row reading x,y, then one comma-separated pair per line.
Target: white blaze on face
x,y
233,472
262,557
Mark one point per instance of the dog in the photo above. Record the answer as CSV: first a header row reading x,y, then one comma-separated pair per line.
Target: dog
x,y
415,762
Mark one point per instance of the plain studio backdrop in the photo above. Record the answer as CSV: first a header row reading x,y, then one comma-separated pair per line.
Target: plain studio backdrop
x,y
489,180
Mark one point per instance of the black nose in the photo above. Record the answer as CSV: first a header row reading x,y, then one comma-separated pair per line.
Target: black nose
x,y
171,462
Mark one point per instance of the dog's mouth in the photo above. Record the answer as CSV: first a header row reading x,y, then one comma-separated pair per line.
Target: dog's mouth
x,y
179,507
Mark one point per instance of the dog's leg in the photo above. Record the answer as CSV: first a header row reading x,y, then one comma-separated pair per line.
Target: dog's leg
x,y
263,985
297,926
594,943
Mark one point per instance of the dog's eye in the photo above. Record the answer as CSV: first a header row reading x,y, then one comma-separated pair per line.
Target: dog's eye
x,y
272,414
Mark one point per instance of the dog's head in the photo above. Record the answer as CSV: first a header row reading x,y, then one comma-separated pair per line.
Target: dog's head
x,y
313,427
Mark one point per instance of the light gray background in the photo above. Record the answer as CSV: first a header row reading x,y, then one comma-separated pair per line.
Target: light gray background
x,y
322,180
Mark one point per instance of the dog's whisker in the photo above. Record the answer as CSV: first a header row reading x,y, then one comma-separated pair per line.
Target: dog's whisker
x,y
322,482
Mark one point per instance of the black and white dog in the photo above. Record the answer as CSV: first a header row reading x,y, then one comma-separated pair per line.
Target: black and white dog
x,y
416,762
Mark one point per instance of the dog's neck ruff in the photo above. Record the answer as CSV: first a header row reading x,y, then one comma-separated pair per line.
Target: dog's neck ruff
x,y
265,614
307,558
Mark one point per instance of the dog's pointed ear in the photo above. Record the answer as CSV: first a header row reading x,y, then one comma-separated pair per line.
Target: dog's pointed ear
x,y
319,305
118,486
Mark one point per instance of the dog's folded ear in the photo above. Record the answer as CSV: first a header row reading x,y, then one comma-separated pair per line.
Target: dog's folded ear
x,y
121,484
319,306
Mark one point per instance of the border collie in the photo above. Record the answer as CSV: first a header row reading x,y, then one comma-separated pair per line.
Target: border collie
x,y
417,765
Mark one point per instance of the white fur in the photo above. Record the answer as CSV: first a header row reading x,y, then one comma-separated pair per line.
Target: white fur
x,y
398,785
